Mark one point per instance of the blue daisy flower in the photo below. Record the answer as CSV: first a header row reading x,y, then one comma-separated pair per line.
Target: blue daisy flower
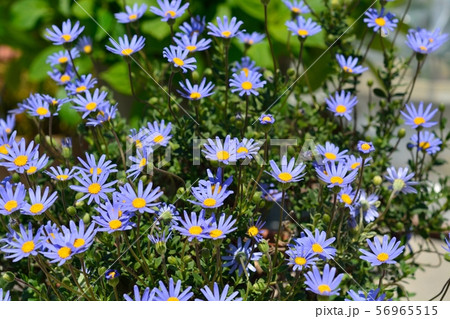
x,y
196,26
85,44
303,28
255,229
342,104
194,227
366,205
11,199
157,239
350,65
132,14
318,243
62,57
325,284
251,38
246,65
66,34
4,297
111,274
330,152
297,7
91,102
146,296
336,174
196,91
219,229
19,156
178,57
125,47
379,20
167,213
247,148
105,114
85,83
246,84
428,142
210,196
241,255
191,43
39,202
214,180
401,180
91,166
300,257
38,107
382,252
224,153
289,173
22,245
169,10
61,174
139,164
424,42
54,102
347,196
365,147
7,126
174,292
420,117
265,119
372,295
81,237
216,295
141,201
59,249
93,186
225,29
37,163
62,77
112,218
6,142
355,163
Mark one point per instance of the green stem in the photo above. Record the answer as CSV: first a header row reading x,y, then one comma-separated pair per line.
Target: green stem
x,y
283,195
272,52
333,212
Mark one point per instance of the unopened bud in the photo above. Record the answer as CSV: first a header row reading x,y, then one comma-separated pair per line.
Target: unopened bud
x,y
9,276
377,180
401,133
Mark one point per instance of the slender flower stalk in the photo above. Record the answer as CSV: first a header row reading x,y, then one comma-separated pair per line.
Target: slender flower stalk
x,y
283,198
272,52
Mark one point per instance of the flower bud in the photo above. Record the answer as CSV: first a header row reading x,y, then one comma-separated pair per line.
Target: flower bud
x,y
441,107
377,180
257,197
161,247
86,218
15,178
153,100
259,286
80,203
369,83
195,76
208,72
401,133
326,218
72,211
172,260
291,72
263,246
9,277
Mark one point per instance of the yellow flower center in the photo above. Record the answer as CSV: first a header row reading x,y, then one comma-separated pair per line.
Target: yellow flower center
x,y
285,177
63,59
64,78
132,16
139,203
250,41
41,111
296,10
87,48
64,252
347,69
223,155
8,130
62,177
112,274
336,179
226,34
253,231
36,208
423,48
31,170
317,248
4,149
324,288
81,89
195,230
346,199
195,95
94,188
242,150
341,109
66,37
115,224
382,257
191,48
21,160
330,156
78,242
138,144
246,70
209,202
247,85
143,162
28,246
127,51
10,205
302,32
98,169
173,299
158,139
300,261
171,13
215,233
355,165
91,106
365,146
178,61
424,145
267,119
380,21
419,120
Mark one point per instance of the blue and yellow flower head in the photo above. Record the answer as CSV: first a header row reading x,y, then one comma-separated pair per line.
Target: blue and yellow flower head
x,y
419,118
7,126
196,26
342,104
289,172
40,203
303,28
317,243
325,284
401,180
23,244
246,83
174,292
297,7
246,65
83,84
241,255
366,205
266,119
85,44
380,21
209,195
93,186
192,43
195,227
350,65
61,174
372,295
216,295
141,201
330,152
424,42
224,29
146,296
197,91
112,218
365,147
382,252
427,142
62,57
111,274
255,229
125,47
177,56
66,34
11,198
250,38
132,14
91,166
300,257
225,152
218,229
90,102
169,10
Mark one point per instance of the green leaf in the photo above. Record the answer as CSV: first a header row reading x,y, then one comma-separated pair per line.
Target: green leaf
x,y
26,13
82,9
117,77
106,20
38,68
379,92
156,28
